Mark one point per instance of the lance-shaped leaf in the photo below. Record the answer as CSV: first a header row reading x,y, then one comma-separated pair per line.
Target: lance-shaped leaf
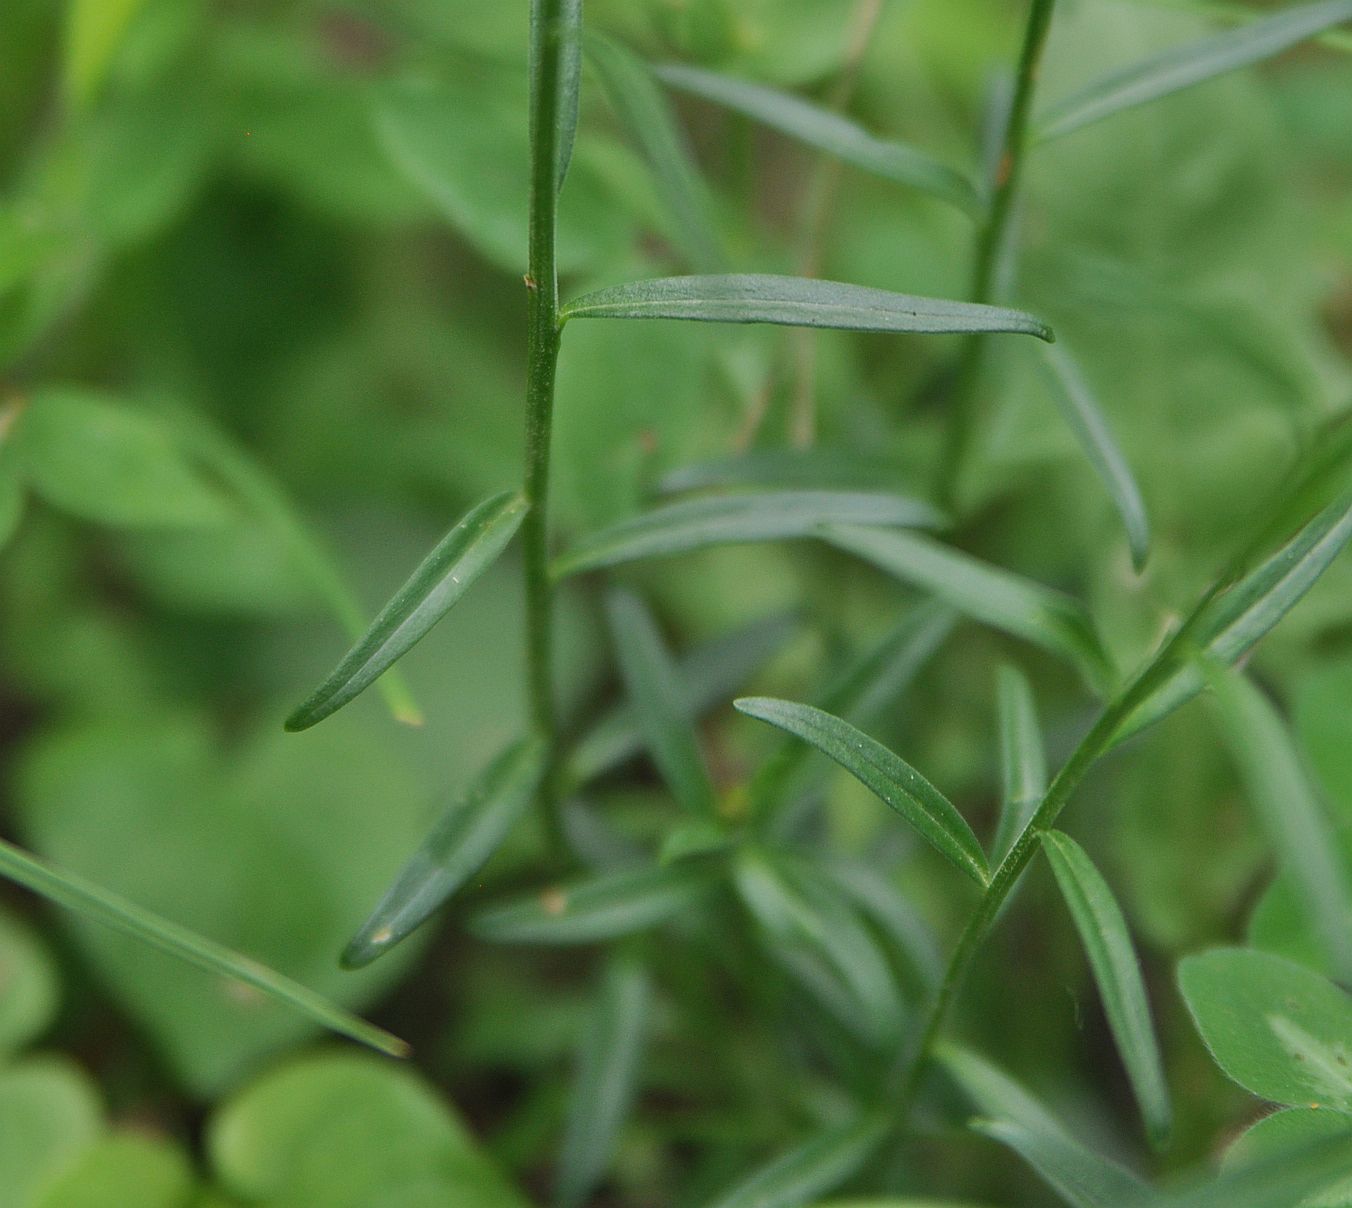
x,y
1183,66
1103,932
597,908
639,103
817,468
76,894
826,131
607,1077
796,302
985,593
884,773
1080,409
569,35
813,1168
459,845
1023,760
710,520
1289,808
661,703
464,554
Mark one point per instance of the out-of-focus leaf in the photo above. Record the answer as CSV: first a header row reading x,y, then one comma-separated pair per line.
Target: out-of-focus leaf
x,y
661,703
795,302
1103,932
460,844
94,31
1080,409
1279,1181
1023,760
468,550
826,131
1275,1027
884,773
691,524
647,118
28,986
155,1171
49,1115
1182,67
987,594
818,468
606,1080
595,909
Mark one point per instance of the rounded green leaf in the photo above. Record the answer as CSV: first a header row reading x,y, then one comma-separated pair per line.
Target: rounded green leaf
x,y
28,985
107,1171
49,1115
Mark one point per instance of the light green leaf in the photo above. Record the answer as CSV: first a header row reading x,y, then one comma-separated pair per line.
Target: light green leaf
x,y
595,909
1181,67
75,893
460,844
661,703
1103,932
987,594
1286,800
1283,1136
795,302
885,774
606,1081
468,550
50,1114
1080,409
647,118
1023,760
160,1174
94,31
807,1170
827,131
1276,1028
1279,1181
710,520
29,989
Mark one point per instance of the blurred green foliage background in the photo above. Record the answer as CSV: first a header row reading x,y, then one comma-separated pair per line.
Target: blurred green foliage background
x,y
261,297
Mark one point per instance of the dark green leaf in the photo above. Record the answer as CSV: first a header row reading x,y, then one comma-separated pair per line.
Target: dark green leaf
x,y
1103,932
459,845
887,775
691,524
468,550
1023,761
569,35
1181,67
795,302
826,131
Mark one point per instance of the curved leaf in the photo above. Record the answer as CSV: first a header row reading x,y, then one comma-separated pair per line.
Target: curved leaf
x,y
795,302
1277,1181
468,550
1023,761
885,774
692,524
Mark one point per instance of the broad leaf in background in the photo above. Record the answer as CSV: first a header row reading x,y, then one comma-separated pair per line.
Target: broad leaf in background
x,y
155,1170
1275,1027
1103,932
795,302
1279,1181
730,519
49,1115
1284,1134
468,550
28,986
94,31
1023,760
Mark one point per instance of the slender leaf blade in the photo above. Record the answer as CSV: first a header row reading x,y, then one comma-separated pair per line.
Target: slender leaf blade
x,y
74,893
796,302
884,773
826,131
1194,63
1023,759
1107,942
736,518
570,85
468,550
458,846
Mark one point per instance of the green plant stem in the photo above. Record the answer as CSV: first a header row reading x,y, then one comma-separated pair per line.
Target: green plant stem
x,y
542,293
991,242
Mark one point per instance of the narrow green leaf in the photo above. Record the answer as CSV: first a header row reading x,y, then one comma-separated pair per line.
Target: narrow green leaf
x,y
459,845
1289,808
711,520
595,909
1279,1181
643,110
74,893
885,774
1183,66
795,302
661,703
1080,409
1023,760
569,35
826,131
807,1170
817,468
1103,932
468,550
987,594
607,1077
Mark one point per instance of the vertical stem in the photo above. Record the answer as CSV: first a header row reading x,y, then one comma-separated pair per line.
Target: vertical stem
x,y
991,244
